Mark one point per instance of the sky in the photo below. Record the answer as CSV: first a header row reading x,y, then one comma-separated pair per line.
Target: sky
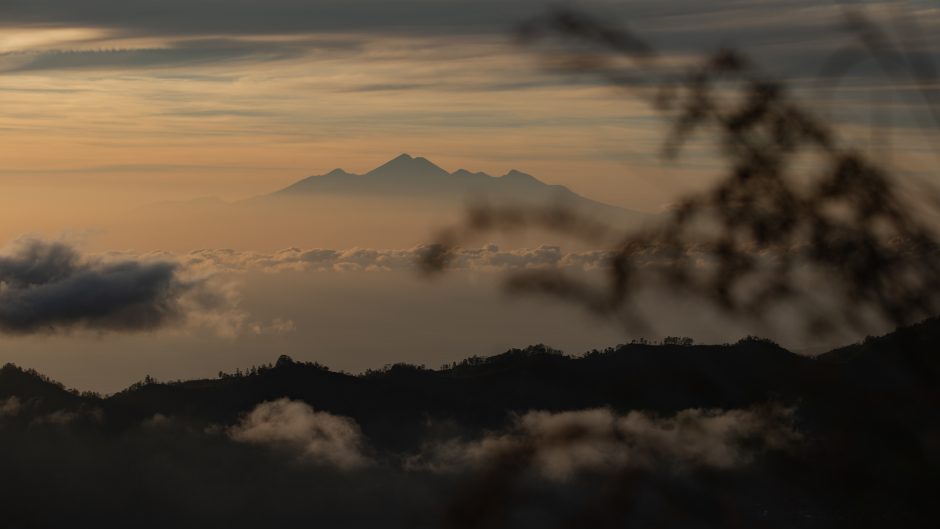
x,y
109,106
156,100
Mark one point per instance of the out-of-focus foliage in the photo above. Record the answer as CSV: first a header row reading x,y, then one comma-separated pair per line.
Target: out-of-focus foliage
x,y
799,223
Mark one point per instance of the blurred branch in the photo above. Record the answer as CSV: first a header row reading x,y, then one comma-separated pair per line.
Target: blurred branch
x,y
797,220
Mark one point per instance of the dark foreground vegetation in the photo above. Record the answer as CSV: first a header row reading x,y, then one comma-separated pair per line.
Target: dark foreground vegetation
x,y
864,449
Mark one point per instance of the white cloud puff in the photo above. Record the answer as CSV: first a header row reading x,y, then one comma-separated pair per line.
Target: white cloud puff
x,y
315,436
9,407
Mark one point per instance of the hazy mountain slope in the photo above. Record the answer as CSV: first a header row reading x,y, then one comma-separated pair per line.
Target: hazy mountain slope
x,y
399,204
417,177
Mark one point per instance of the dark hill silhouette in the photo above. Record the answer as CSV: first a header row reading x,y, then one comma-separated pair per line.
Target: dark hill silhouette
x,y
41,393
394,405
868,455
904,358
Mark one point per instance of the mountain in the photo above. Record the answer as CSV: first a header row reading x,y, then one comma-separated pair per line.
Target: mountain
x,y
29,387
479,392
853,450
400,204
394,405
901,360
418,178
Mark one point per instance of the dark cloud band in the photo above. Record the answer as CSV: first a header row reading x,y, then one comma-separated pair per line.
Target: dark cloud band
x,y
48,286
272,16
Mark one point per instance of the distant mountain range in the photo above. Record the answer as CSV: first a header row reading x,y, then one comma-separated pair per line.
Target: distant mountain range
x,y
417,177
398,204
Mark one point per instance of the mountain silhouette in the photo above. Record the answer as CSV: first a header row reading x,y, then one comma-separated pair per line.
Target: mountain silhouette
x,y
867,451
479,392
43,394
417,177
404,165
394,404
398,204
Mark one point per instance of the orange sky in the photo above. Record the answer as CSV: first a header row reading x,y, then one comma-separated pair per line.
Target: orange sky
x,y
238,127
107,106
104,110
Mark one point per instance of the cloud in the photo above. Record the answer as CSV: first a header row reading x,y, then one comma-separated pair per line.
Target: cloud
x,y
794,30
267,17
49,286
186,52
63,418
9,406
486,258
315,436
791,32
257,17
561,445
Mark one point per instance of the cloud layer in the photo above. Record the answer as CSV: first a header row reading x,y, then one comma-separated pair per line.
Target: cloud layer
x,y
556,445
560,445
254,17
486,258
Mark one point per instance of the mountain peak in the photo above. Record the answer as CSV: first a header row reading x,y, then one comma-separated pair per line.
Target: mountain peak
x,y
519,176
406,165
